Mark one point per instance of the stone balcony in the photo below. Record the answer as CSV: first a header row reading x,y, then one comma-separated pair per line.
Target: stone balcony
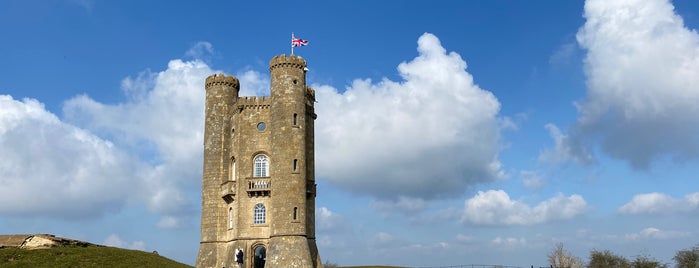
x,y
259,186
228,190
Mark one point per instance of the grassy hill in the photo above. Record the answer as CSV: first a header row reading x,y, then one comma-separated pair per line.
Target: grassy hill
x,y
82,256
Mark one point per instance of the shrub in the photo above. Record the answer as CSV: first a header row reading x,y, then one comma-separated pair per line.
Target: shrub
x,y
688,258
606,259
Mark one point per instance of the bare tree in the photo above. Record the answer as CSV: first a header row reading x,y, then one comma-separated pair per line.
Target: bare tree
x,y
561,258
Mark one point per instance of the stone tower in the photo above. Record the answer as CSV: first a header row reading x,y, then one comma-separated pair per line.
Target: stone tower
x,y
258,185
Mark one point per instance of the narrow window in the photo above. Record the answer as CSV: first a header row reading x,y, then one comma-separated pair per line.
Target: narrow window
x,y
296,165
233,168
296,210
259,213
261,166
230,218
295,115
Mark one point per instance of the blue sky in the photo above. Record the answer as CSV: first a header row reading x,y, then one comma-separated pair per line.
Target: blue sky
x,y
448,132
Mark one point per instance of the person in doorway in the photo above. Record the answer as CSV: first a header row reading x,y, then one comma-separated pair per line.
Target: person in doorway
x,y
239,258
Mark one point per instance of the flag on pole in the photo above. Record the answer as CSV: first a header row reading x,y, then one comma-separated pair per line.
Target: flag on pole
x,y
298,42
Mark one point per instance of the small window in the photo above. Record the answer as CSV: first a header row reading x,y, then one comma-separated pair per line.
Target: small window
x,y
230,218
233,168
261,166
295,81
260,212
295,115
261,126
296,165
296,211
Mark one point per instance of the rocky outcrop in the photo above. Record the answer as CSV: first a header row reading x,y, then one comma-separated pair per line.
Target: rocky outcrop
x,y
38,241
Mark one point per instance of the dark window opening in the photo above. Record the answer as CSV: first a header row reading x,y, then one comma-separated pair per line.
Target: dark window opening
x,y
296,210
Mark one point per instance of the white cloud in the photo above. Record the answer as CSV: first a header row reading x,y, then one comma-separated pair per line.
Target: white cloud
x,y
201,50
163,122
657,203
329,221
643,90
54,169
432,134
496,208
656,234
114,240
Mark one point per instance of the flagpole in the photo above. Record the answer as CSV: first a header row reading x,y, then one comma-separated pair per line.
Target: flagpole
x,y
292,43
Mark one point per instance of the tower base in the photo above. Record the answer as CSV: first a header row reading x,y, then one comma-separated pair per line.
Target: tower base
x,y
292,251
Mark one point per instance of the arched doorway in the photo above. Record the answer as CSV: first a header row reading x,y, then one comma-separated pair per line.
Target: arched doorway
x,y
260,256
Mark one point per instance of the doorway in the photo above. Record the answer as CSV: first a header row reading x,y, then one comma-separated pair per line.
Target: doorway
x,y
260,256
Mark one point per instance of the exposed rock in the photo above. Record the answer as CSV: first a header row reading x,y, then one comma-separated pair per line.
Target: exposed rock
x,y
38,241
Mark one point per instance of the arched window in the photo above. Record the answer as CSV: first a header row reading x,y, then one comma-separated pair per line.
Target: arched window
x,y
296,212
261,166
296,165
295,115
260,213
230,218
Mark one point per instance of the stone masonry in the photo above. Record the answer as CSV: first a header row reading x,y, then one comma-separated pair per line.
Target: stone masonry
x,y
258,184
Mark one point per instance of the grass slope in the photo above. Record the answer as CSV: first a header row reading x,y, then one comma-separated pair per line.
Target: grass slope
x,y
76,256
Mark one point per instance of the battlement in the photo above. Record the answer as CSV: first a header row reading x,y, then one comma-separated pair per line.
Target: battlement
x,y
253,102
222,79
292,61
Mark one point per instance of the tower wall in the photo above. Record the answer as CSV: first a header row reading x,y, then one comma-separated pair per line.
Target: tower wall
x,y
221,93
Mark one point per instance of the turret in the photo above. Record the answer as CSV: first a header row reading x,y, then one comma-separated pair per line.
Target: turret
x,y
292,129
221,94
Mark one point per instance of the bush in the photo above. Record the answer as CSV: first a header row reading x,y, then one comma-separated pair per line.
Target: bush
x,y
688,258
646,262
329,264
606,259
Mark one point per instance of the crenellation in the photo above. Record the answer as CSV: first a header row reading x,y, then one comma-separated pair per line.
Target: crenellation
x,y
222,79
292,61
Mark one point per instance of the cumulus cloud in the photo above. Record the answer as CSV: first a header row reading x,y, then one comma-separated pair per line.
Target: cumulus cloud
x,y
162,122
43,157
642,87
657,203
432,134
495,207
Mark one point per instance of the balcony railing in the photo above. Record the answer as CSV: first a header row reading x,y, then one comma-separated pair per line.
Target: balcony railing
x,y
259,186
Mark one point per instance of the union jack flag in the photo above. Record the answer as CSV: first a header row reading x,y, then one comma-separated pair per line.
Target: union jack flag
x,y
298,42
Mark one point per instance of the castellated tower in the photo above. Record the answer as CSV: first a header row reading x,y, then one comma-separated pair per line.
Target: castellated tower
x,y
258,185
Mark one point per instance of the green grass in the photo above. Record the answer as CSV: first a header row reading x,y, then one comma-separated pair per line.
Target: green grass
x,y
89,256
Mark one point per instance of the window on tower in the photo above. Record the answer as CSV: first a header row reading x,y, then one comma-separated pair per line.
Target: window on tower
x,y
261,166
230,218
260,212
